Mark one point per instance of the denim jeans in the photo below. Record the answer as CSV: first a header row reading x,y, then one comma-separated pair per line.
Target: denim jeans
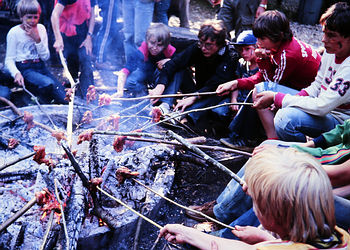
x,y
41,82
78,61
160,11
137,16
138,80
5,92
223,112
233,203
108,30
246,123
293,124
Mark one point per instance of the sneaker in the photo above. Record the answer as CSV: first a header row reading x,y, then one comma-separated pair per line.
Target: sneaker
x,y
206,208
239,143
164,108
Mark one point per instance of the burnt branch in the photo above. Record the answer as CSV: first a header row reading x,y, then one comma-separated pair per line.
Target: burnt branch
x,y
206,157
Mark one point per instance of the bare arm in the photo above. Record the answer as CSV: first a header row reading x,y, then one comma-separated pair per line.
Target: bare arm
x,y
87,43
55,21
338,174
180,234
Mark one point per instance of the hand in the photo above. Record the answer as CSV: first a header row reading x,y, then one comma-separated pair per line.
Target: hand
x,y
58,45
215,2
264,99
118,94
259,11
252,235
33,32
161,63
87,43
226,88
19,79
262,53
234,108
158,90
174,233
184,103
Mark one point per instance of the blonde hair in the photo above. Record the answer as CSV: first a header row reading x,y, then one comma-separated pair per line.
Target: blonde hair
x,y
25,7
291,189
160,32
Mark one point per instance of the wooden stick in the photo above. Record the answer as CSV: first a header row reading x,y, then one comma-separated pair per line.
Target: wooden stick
x,y
163,96
175,115
212,148
131,209
48,229
206,157
71,103
18,160
62,214
183,207
18,214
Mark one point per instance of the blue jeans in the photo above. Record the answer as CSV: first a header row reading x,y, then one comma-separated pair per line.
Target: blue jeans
x,y
246,123
138,80
137,16
41,82
78,60
108,30
160,11
293,124
5,92
223,112
233,203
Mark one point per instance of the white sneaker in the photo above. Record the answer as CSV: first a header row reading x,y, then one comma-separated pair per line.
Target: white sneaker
x,y
165,108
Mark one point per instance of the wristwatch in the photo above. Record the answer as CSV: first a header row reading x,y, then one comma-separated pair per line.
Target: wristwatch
x,y
263,6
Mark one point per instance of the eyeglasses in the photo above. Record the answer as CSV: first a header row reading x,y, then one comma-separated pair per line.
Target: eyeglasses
x,y
207,46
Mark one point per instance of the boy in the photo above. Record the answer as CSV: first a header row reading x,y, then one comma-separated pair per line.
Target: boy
x,y
292,197
26,51
282,60
325,103
214,61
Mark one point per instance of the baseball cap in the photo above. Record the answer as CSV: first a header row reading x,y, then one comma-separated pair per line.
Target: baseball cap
x,y
246,37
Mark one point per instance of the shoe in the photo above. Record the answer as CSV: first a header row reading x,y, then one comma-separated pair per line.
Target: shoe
x,y
206,208
239,143
164,108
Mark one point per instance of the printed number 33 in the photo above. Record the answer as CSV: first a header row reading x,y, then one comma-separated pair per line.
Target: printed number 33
x,y
337,86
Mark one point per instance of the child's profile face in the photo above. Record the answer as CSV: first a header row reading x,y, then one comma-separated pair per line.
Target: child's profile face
x,y
267,43
247,52
154,47
31,19
334,43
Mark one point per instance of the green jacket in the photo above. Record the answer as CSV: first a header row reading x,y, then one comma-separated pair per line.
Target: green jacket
x,y
332,147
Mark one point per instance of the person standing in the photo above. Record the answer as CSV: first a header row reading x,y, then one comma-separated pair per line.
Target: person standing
x,y
73,25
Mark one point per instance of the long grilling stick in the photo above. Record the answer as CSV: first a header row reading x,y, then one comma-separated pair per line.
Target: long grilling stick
x,y
71,103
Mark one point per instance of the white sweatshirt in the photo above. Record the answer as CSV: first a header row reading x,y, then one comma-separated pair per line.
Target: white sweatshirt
x,y
21,47
329,93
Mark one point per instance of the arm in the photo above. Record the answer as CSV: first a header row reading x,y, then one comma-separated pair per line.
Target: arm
x,y
87,43
234,96
42,46
55,21
338,174
180,234
252,235
261,8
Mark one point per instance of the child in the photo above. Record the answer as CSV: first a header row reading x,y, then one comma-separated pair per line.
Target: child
x,y
26,51
292,197
145,67
75,19
282,60
325,103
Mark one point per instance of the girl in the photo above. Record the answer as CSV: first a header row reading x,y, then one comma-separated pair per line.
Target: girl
x,y
26,51
143,68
